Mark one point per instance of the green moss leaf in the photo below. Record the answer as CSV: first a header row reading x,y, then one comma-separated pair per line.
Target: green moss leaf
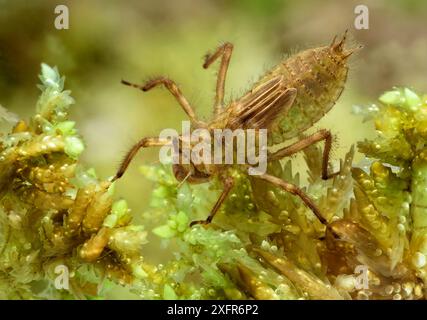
x,y
169,293
73,147
164,231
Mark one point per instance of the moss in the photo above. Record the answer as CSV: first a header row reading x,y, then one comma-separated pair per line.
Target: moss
x,y
54,212
263,243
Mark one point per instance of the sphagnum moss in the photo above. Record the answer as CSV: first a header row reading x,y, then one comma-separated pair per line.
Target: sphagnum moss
x,y
263,244
53,212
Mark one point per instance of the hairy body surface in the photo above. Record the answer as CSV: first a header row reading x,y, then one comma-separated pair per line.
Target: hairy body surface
x,y
286,101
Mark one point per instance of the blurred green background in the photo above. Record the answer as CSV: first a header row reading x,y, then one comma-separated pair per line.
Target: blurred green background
x,y
112,40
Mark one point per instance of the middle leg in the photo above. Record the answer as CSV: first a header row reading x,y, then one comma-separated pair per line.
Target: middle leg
x,y
225,51
228,185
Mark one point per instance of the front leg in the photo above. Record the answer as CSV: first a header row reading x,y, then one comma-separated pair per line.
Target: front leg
x,y
143,143
228,185
174,90
306,142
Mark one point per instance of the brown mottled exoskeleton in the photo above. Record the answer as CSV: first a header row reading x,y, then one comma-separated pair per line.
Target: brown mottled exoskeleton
x,y
287,100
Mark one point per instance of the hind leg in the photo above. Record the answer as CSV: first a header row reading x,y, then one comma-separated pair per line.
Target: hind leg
x,y
295,190
321,135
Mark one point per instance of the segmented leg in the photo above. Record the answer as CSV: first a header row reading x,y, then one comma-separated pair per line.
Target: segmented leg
x,y
228,185
143,143
293,189
225,51
306,142
173,88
